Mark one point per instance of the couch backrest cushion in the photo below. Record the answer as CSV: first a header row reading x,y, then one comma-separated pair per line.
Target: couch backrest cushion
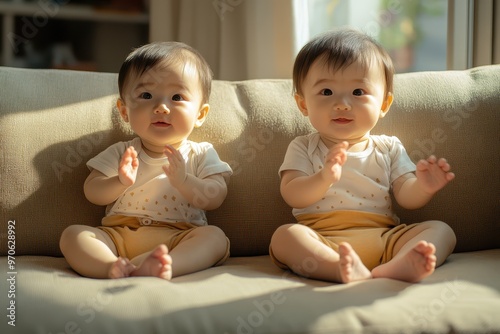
x,y
53,121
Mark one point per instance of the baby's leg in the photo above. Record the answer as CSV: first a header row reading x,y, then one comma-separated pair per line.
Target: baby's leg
x,y
157,263
200,249
90,251
121,268
299,248
351,266
418,252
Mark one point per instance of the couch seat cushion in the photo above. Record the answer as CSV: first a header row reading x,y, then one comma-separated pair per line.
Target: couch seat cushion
x,y
251,295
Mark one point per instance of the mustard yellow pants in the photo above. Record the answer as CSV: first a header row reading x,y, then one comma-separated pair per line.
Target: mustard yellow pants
x,y
132,238
372,236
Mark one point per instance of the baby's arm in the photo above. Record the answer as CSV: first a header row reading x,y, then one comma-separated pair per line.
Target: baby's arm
x,y
300,190
205,194
102,190
414,191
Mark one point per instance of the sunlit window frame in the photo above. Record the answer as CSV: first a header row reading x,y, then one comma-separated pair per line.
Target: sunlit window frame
x,y
472,37
460,34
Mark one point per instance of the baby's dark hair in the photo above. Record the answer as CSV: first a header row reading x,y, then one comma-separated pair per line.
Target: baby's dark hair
x,y
150,55
339,49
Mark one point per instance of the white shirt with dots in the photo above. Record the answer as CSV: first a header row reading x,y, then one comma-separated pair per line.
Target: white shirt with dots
x,y
152,197
366,176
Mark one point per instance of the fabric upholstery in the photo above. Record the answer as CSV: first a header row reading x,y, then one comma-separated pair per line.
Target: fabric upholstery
x,y
251,295
52,122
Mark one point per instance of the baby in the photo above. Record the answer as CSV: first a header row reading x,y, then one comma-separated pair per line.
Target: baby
x,y
338,179
153,185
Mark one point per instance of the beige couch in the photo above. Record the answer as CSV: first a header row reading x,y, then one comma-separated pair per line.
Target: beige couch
x,y
52,122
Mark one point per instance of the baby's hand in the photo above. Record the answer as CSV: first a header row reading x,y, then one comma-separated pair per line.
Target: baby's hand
x,y
334,160
176,168
127,172
433,174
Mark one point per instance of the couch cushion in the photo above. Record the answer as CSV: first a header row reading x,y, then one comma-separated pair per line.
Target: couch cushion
x,y
53,121
456,115
251,295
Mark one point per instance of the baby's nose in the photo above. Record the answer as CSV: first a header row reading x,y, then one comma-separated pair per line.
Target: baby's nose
x,y
342,106
162,109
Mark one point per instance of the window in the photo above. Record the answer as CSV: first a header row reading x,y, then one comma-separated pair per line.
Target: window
x,y
413,32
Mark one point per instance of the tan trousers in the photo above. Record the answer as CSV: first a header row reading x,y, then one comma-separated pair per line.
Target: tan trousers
x,y
372,236
132,238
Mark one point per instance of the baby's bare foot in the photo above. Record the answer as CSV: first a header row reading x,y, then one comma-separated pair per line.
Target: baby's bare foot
x,y
411,267
121,268
351,267
158,263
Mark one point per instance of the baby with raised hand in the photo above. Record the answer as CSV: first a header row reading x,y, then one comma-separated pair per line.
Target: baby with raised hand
x,y
338,179
155,223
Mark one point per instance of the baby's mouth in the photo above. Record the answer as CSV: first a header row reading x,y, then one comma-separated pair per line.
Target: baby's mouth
x,y
161,124
342,120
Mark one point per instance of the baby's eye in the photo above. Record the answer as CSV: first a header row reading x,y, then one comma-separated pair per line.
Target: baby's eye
x,y
358,92
146,96
177,97
326,92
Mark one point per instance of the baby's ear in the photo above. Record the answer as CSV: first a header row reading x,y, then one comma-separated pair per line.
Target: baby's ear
x,y
120,104
384,109
301,103
202,115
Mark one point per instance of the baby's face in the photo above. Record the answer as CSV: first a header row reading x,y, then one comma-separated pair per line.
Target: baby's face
x,y
343,105
164,104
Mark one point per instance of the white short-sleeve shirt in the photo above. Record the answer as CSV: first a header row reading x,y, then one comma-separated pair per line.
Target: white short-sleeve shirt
x,y
152,196
366,176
